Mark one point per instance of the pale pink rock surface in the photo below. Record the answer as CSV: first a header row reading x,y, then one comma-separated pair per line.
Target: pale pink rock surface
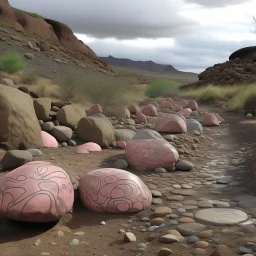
x,y
141,118
95,109
210,120
114,191
147,101
149,110
167,104
155,104
183,103
49,141
146,155
192,105
121,144
178,107
186,112
88,147
36,192
171,124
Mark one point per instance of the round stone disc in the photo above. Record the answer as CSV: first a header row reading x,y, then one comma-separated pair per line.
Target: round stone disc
x,y
221,216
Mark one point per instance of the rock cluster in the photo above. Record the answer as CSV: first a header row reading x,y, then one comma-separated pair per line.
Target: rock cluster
x,y
240,69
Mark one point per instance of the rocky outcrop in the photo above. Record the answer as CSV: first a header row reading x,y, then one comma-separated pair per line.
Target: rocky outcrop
x,y
36,26
240,69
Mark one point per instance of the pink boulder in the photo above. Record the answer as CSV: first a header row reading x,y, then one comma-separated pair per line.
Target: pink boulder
x,y
183,103
141,118
95,109
149,110
171,124
49,141
36,192
146,155
178,107
192,105
121,144
88,147
147,101
114,191
167,104
210,120
155,104
186,112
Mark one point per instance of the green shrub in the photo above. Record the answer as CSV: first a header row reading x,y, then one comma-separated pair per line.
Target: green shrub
x,y
162,88
29,77
101,90
11,63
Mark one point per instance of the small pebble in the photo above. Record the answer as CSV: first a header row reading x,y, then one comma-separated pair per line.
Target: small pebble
x,y
74,242
103,223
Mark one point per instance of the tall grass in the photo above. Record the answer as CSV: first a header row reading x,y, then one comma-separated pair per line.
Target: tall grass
x,y
106,92
162,88
11,63
237,96
242,98
211,93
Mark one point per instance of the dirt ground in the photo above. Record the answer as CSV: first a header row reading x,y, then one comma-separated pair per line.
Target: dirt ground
x,y
235,139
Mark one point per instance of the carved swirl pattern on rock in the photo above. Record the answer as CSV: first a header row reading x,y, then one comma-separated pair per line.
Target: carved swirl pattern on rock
x,y
36,192
114,191
146,155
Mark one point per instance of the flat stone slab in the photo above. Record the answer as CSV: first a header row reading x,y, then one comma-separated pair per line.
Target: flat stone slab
x,y
184,192
189,229
221,216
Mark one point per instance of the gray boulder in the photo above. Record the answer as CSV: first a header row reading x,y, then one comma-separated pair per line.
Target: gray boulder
x,y
194,125
124,134
62,133
96,128
147,135
15,158
184,165
35,152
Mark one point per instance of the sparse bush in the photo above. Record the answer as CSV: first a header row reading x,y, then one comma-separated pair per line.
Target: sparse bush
x,y
29,77
162,88
106,92
11,63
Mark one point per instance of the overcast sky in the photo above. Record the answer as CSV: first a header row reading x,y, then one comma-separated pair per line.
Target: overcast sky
x,y
191,35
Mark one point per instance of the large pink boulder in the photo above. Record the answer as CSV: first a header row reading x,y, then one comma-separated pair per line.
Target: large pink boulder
x,y
141,118
192,105
167,104
171,124
148,154
88,147
36,192
49,141
95,109
186,112
114,191
210,120
149,110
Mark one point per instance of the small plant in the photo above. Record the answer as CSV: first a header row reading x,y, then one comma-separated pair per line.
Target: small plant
x,y
11,63
36,15
162,88
29,77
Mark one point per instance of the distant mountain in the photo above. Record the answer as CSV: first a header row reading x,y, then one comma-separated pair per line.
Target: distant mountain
x,y
144,65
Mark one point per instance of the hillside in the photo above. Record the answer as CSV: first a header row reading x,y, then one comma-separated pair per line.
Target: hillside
x,y
143,65
47,35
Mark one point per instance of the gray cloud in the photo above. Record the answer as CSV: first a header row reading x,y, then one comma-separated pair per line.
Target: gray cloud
x,y
216,3
188,53
115,18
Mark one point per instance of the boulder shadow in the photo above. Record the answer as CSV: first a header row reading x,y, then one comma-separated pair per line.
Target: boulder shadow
x,y
16,230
